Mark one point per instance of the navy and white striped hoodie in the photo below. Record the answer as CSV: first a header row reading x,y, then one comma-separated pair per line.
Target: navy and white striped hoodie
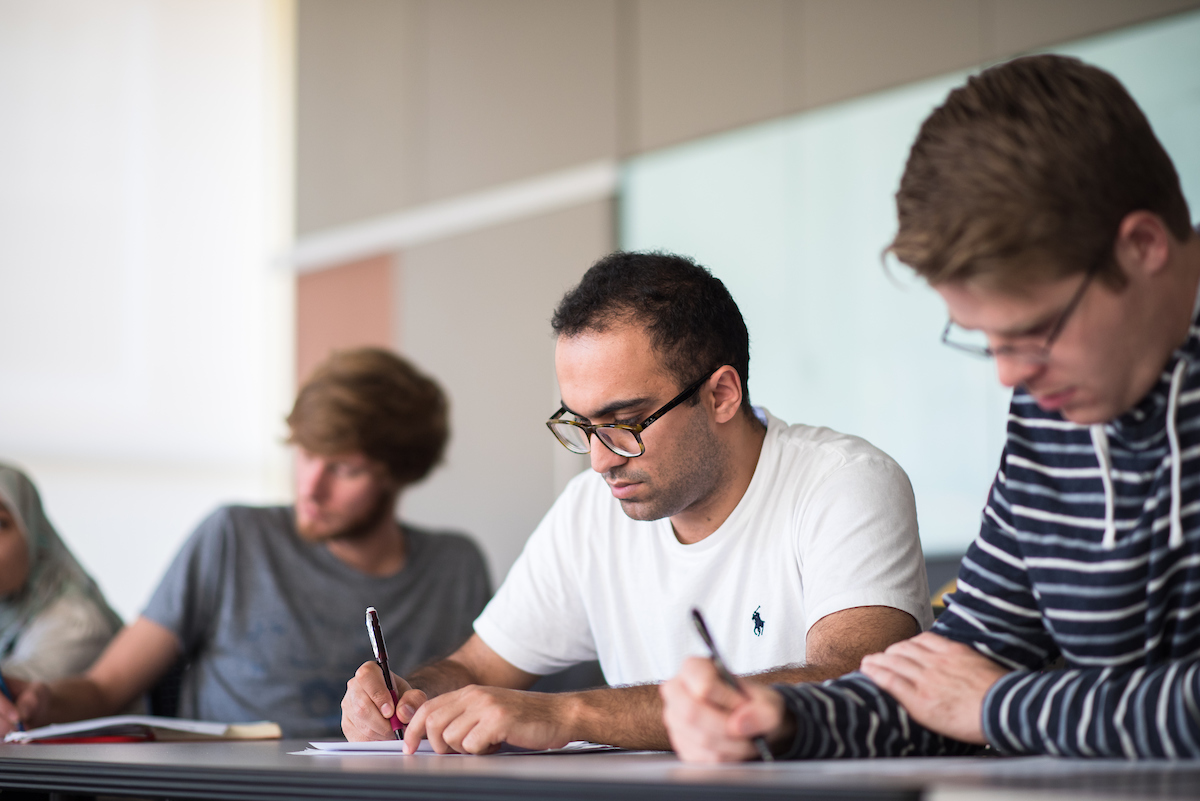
x,y
1089,550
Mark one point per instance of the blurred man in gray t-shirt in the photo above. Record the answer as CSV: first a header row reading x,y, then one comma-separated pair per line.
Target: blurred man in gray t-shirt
x,y
270,625
265,606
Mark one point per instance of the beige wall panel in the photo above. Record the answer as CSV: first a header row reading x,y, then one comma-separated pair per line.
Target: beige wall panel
x,y
358,108
851,47
475,314
709,65
516,88
1020,25
344,307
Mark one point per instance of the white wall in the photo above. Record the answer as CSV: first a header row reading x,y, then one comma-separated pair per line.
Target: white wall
x,y
146,353
487,339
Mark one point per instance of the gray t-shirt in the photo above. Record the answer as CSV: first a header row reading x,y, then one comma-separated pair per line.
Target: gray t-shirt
x,y
272,626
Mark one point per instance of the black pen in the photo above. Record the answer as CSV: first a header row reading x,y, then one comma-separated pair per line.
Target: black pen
x,y
9,695
760,742
377,645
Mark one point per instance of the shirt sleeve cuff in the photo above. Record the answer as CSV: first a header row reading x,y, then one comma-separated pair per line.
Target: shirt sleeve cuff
x,y
794,710
996,705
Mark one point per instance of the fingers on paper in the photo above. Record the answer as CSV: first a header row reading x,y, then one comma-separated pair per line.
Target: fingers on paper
x,y
430,723
415,731
471,720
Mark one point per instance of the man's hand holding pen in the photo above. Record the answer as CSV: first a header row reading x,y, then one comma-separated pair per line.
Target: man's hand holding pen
x,y
367,707
471,720
709,721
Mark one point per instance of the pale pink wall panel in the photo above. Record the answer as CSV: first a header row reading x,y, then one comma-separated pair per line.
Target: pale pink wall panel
x,y
343,307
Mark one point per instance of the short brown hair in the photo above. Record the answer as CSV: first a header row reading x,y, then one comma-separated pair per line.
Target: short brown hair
x,y
1025,173
373,402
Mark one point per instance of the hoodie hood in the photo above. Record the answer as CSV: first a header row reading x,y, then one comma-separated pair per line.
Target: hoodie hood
x,y
1142,424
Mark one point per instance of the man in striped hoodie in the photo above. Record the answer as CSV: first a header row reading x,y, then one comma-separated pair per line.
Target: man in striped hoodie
x,y
1041,207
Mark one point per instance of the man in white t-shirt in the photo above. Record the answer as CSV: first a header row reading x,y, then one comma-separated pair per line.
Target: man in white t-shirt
x,y
798,543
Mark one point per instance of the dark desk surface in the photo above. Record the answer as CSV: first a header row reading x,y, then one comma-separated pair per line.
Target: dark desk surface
x,y
264,770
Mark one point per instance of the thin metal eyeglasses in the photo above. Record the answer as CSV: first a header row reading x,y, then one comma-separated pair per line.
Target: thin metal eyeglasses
x,y
622,439
1027,354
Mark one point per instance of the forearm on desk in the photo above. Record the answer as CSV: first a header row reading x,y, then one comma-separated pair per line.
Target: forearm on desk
x,y
797,674
442,677
851,717
77,698
473,663
630,717
1129,713
138,657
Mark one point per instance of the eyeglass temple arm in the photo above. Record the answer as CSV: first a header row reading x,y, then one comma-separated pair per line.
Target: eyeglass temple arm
x,y
687,393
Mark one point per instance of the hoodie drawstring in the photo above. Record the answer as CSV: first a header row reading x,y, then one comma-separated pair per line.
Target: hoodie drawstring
x,y
1100,443
1176,538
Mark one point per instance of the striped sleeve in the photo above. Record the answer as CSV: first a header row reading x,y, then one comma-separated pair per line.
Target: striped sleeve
x,y
852,718
1146,712
994,609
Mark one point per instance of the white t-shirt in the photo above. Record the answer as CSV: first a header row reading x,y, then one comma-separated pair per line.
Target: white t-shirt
x,y
827,523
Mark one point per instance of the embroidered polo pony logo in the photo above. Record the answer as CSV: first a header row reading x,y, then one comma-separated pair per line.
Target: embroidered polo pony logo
x,y
759,623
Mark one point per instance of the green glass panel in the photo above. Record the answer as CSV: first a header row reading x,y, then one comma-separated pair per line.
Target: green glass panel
x,y
794,214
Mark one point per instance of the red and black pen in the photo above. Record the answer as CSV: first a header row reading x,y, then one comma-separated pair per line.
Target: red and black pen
x,y
381,658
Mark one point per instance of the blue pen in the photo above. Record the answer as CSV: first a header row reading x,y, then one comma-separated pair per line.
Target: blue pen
x,y
9,695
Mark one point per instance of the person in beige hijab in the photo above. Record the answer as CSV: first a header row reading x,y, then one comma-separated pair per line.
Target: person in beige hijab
x,y
54,620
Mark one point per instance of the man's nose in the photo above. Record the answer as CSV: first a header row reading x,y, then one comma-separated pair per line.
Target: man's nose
x,y
1013,372
603,459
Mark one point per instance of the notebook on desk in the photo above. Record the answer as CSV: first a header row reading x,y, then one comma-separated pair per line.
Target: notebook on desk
x,y
143,728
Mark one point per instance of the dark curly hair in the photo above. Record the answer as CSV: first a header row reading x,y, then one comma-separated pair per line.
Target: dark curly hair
x,y
373,402
691,318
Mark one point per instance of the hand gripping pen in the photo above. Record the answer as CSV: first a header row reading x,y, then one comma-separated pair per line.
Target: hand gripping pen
x,y
381,658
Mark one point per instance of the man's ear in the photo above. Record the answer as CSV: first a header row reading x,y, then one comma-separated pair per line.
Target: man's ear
x,y
727,393
1143,244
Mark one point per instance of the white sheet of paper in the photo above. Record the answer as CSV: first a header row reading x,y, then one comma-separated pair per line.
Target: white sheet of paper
x,y
396,747
424,752
373,746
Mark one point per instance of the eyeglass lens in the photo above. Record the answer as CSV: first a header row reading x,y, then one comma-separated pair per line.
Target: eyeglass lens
x,y
619,440
976,344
